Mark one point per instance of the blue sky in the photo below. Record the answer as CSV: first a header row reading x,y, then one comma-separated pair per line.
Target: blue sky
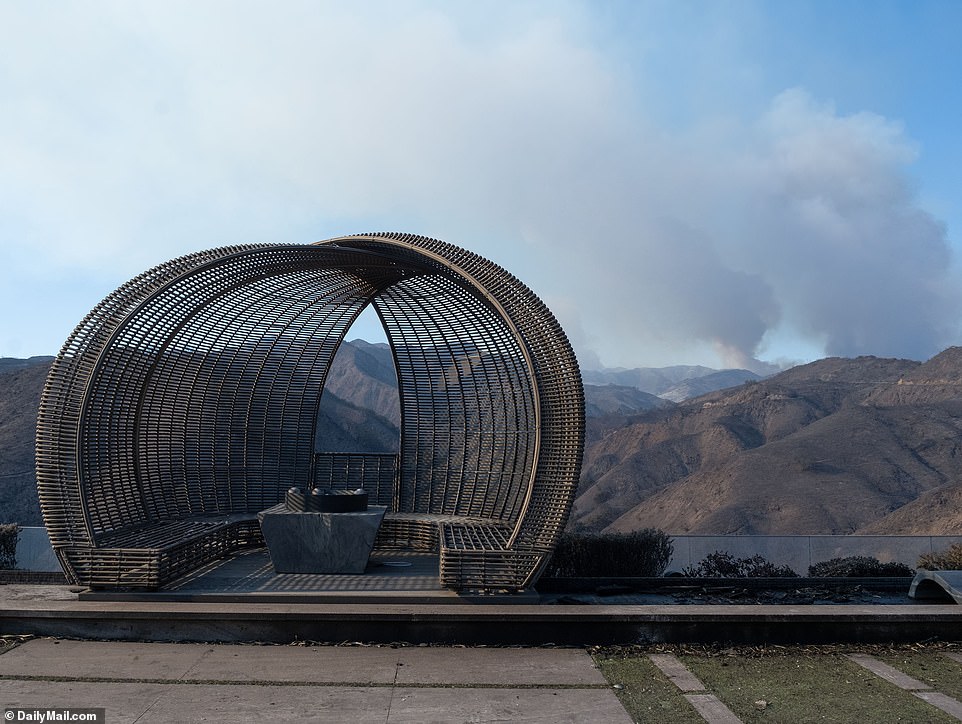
x,y
719,183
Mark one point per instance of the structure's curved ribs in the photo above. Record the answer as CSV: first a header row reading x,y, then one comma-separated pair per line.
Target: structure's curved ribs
x,y
187,401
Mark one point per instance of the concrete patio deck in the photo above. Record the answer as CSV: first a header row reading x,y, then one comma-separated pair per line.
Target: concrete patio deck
x,y
398,576
399,599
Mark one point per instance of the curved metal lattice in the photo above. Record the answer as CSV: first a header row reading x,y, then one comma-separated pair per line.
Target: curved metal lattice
x,y
188,399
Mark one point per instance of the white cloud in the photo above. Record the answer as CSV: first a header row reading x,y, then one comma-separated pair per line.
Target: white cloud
x,y
147,130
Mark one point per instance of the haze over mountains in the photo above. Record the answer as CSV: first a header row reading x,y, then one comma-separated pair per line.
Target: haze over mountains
x,y
836,446
863,445
670,383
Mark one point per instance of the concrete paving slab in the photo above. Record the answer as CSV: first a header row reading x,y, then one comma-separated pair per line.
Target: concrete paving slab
x,y
952,707
124,703
497,666
164,703
711,709
305,664
101,659
889,673
677,672
254,683
442,706
258,704
127,703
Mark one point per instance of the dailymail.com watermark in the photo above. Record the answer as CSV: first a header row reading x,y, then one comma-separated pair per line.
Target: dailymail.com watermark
x,y
36,716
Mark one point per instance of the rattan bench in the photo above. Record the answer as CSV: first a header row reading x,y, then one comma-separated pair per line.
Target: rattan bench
x,y
419,531
150,555
481,556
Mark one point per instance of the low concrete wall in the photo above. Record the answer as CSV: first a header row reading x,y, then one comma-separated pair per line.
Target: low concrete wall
x,y
34,552
801,551
490,625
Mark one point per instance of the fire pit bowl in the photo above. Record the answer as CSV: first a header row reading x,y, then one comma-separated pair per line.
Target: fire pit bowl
x,y
337,501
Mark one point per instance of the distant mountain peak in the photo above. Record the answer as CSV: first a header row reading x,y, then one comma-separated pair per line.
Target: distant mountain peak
x,y
675,383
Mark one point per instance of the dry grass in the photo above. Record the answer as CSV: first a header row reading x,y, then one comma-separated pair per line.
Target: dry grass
x,y
647,695
796,683
938,671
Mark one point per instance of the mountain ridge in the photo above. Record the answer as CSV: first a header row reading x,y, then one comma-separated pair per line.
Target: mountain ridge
x,y
835,446
864,445
668,382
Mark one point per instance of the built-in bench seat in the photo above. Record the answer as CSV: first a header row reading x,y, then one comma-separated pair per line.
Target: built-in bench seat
x,y
419,531
149,555
479,556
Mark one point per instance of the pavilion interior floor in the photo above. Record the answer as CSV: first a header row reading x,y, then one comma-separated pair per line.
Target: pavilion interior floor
x,y
398,575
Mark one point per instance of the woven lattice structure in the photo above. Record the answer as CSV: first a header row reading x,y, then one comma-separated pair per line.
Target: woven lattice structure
x,y
188,400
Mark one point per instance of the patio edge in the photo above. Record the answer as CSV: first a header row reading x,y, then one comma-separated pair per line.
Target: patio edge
x,y
481,624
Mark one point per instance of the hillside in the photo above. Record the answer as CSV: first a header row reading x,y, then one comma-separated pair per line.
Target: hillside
x,y
363,376
836,446
10,364
862,445
696,386
601,400
359,412
675,383
21,382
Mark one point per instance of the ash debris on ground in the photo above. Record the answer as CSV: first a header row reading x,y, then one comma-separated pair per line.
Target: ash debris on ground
x,y
732,595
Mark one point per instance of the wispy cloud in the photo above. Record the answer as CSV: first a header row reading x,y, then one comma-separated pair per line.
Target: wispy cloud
x,y
147,130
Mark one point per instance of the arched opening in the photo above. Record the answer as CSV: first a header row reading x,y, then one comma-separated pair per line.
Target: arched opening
x,y
358,435
360,410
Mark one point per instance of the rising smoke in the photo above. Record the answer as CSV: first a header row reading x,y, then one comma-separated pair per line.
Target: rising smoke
x,y
812,225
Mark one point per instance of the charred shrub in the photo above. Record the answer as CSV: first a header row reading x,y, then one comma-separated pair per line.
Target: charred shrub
x,y
8,544
724,565
947,560
642,553
858,567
